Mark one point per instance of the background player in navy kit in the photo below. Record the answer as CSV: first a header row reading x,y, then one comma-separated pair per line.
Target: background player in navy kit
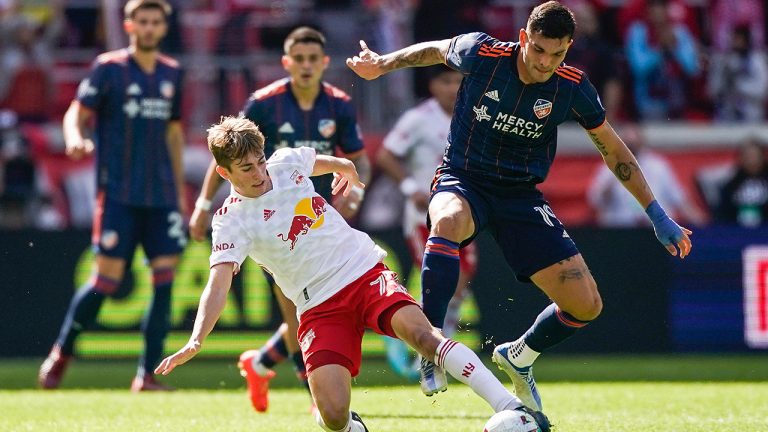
x,y
502,142
300,110
133,95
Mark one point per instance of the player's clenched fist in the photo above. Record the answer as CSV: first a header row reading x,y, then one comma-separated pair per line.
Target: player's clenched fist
x,y
80,148
367,64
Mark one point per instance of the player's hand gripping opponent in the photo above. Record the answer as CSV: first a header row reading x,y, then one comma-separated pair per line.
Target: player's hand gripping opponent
x,y
670,234
367,64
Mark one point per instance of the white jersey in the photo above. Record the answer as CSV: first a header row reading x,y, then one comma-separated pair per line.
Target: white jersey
x,y
293,233
420,137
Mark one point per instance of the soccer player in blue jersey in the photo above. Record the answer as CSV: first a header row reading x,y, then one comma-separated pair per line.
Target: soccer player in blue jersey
x,y
501,145
133,94
300,110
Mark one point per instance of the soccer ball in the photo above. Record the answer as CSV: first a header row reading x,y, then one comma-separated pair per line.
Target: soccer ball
x,y
511,421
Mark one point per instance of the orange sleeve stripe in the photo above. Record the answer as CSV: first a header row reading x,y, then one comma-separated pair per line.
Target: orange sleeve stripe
x,y
572,69
568,73
568,77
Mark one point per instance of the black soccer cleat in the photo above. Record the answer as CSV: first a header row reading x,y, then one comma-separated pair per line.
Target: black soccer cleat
x,y
356,417
540,418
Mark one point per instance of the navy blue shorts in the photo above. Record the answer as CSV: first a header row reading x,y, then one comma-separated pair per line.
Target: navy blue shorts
x,y
519,218
119,228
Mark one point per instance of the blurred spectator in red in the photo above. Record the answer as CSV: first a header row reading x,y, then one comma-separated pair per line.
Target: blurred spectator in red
x,y
678,11
663,59
738,79
592,53
744,198
26,60
616,207
727,15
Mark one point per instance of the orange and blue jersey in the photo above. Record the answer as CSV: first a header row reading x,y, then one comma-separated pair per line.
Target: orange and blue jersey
x,y
329,127
504,131
133,109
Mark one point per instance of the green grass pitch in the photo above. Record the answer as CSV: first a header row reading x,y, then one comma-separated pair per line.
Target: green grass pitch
x,y
581,394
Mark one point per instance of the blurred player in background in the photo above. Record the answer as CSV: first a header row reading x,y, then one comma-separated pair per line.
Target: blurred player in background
x,y
298,111
501,145
410,153
133,95
332,273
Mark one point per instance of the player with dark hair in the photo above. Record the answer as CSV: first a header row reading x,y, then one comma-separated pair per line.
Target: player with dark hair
x,y
134,95
298,111
502,143
332,273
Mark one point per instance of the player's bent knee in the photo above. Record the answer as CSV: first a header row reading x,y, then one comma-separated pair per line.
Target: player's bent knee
x,y
588,309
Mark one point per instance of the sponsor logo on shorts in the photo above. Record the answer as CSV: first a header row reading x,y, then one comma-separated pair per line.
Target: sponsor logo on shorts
x,y
306,341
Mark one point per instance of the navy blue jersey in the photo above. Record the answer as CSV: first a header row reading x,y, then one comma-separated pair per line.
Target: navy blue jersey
x,y
504,131
133,109
330,126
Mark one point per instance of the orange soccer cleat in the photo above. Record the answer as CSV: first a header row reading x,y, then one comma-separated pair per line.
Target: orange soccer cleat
x,y
258,385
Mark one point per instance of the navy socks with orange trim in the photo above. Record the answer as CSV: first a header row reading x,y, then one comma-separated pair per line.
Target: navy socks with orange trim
x,y
83,310
551,327
439,276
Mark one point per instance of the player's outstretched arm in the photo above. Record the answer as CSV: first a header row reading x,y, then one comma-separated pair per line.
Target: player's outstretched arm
x,y
345,176
201,217
370,65
212,302
625,167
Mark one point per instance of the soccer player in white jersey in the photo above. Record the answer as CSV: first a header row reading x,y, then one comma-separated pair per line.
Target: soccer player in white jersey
x,y
332,272
410,153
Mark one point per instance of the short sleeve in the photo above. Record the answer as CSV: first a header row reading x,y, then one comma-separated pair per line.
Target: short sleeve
x,y
463,52
93,88
302,157
587,108
230,242
403,136
350,135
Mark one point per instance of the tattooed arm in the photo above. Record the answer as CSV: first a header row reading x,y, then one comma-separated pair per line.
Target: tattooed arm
x,y
621,162
370,65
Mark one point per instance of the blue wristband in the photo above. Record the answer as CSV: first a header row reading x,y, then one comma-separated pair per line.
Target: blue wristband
x,y
667,231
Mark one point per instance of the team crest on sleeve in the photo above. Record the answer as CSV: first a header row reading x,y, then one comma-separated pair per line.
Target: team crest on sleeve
x,y
542,108
167,89
326,127
297,177
85,89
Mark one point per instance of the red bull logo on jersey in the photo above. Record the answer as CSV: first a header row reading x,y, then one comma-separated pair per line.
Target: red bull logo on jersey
x,y
326,127
309,214
542,108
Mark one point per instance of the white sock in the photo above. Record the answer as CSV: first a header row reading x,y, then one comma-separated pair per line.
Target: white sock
x,y
465,366
520,354
258,367
351,426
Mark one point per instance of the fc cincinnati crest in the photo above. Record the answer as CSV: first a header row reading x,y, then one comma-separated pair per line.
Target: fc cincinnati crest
x,y
326,127
542,108
167,89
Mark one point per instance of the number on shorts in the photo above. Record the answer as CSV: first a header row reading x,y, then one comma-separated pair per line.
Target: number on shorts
x,y
175,230
547,214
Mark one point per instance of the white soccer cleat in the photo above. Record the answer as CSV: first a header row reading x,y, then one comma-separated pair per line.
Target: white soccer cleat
x,y
522,377
433,379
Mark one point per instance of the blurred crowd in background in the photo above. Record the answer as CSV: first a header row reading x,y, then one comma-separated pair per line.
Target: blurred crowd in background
x,y
654,62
